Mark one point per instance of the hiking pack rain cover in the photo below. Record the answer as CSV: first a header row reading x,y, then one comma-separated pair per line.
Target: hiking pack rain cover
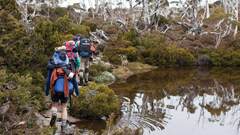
x,y
85,48
60,58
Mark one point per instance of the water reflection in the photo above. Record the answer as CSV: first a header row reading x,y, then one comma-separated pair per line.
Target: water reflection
x,y
182,101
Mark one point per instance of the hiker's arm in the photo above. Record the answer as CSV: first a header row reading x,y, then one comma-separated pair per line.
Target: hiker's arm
x,y
78,62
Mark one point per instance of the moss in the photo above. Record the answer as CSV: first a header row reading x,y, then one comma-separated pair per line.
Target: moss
x,y
95,101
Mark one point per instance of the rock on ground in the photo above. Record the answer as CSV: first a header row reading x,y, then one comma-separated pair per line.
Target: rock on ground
x,y
105,77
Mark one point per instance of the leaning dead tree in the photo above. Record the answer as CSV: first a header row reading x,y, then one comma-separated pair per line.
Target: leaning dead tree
x,y
227,26
99,36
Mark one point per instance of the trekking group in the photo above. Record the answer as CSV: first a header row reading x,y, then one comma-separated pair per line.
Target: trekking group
x,y
68,68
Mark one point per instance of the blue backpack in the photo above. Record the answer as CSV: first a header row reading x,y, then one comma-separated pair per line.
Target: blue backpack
x,y
59,85
60,59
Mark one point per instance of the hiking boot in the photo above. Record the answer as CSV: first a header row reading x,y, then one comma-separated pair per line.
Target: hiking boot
x,y
53,119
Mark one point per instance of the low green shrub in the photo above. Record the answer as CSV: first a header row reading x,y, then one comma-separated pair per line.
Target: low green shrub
x,y
170,55
20,90
95,101
223,57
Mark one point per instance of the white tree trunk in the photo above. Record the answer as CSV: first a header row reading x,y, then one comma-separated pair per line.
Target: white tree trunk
x,y
236,17
207,12
131,12
146,16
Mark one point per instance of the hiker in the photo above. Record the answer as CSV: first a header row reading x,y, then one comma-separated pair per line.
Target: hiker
x,y
72,54
86,49
61,84
74,60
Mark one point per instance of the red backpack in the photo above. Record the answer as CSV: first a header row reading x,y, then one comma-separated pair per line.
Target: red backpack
x,y
70,45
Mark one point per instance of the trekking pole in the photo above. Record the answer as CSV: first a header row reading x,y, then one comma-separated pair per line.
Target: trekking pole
x,y
70,102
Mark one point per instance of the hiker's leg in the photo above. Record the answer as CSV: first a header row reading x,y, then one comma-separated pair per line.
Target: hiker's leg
x,y
64,117
54,109
81,71
64,112
55,104
87,64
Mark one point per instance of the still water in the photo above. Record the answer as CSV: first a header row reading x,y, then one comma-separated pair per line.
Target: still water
x,y
184,101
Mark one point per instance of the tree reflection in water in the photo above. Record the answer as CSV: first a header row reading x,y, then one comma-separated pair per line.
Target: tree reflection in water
x,y
157,100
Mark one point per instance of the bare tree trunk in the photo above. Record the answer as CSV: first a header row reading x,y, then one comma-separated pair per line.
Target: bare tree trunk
x,y
145,9
131,12
207,12
236,18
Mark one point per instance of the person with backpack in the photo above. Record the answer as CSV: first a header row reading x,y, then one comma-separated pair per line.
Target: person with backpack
x,y
85,51
60,84
74,59
72,53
